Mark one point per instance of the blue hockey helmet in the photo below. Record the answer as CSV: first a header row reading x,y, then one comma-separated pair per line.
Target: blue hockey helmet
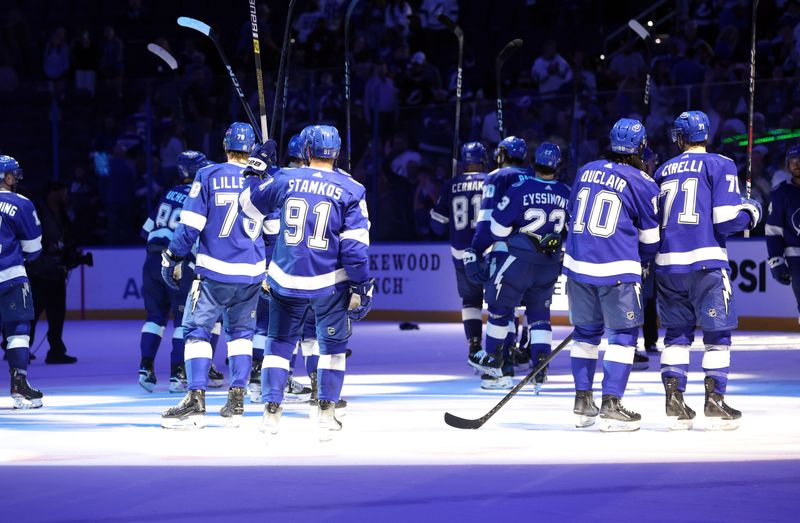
x,y
548,155
9,165
474,152
628,136
792,152
295,147
692,126
189,162
240,137
511,147
323,142
305,135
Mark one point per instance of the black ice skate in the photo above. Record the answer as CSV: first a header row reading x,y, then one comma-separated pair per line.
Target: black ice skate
x,y
326,420
215,378
147,376
585,408
541,377
474,346
254,386
23,395
296,392
640,361
616,418
190,413
233,410
271,419
719,415
177,379
679,414
487,363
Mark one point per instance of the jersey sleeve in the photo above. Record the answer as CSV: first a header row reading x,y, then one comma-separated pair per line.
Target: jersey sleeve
x,y
646,219
482,238
776,245
30,232
727,212
259,198
440,214
193,217
354,239
503,216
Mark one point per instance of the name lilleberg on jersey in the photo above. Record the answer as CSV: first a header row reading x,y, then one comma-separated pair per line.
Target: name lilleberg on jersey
x,y
227,182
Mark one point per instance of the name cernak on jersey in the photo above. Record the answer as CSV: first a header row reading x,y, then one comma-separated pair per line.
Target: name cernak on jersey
x,y
227,182
688,166
544,198
475,185
314,187
605,179
7,208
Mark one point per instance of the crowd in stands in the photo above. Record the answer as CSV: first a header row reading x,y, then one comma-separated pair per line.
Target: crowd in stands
x,y
92,75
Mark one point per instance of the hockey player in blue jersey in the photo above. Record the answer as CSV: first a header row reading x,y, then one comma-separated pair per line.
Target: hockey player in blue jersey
x,y
456,212
613,233
159,299
320,260
230,272
530,220
21,240
783,227
701,206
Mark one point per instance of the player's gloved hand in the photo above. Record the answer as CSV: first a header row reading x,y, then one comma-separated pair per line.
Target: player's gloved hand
x,y
360,299
754,208
263,157
474,268
171,269
549,243
780,270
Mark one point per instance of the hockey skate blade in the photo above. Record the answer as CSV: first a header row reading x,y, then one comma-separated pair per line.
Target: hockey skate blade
x,y
146,385
537,387
491,371
197,421
679,424
24,404
215,384
582,421
717,424
502,383
612,425
179,387
296,398
231,422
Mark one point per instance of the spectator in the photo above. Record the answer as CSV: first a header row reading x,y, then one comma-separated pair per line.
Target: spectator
x,y
628,63
111,61
550,71
420,81
84,59
380,101
403,161
396,16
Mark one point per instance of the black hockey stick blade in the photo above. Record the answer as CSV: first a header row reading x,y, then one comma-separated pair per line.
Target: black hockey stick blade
x,y
509,49
164,55
463,423
450,25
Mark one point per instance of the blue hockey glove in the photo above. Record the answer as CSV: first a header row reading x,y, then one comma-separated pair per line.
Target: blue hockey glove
x,y
754,208
171,269
780,270
261,159
360,299
475,269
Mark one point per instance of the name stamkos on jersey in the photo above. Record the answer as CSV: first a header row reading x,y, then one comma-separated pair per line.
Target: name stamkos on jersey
x,y
314,187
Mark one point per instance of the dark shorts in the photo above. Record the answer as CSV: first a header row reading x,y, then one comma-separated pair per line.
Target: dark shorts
x,y
702,298
613,306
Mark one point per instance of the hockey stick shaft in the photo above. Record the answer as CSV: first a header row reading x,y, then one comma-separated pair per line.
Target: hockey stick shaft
x,y
262,104
462,423
206,29
499,62
347,16
644,34
459,34
285,93
281,65
750,107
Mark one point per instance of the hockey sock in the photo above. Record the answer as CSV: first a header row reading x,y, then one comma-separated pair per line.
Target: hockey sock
x,y
259,341
496,333
471,318
717,364
294,358
617,364
275,370
151,339
215,337
330,373
583,359
675,364
310,350
198,361
17,351
541,338
176,356
240,361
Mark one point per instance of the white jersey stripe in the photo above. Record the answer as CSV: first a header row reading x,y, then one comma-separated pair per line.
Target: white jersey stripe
x,y
649,235
726,213
773,230
193,220
789,251
602,270
484,215
359,235
12,272
230,269
272,226
307,283
31,245
247,206
690,257
500,230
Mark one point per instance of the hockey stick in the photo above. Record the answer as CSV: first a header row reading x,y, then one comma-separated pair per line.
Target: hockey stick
x,y
463,423
347,16
262,105
752,88
285,93
639,29
197,25
460,37
281,73
172,63
499,62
